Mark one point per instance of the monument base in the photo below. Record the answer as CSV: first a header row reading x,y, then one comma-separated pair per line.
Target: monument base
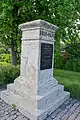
x,y
35,107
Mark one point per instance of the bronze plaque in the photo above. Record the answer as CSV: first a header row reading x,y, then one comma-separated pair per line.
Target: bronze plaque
x,y
46,56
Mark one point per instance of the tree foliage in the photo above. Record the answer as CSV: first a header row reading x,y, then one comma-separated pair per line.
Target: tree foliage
x,y
2,49
63,13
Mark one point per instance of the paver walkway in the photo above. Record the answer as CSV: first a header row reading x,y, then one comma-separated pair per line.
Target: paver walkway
x,y
70,110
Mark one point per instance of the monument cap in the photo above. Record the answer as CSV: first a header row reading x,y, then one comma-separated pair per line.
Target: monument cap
x,y
38,23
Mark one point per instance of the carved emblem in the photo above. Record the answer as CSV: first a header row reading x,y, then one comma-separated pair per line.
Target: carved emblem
x,y
46,33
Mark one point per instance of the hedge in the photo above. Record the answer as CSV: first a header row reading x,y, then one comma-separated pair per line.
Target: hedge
x,y
8,73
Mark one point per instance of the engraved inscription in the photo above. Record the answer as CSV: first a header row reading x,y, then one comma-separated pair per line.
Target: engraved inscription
x,y
46,56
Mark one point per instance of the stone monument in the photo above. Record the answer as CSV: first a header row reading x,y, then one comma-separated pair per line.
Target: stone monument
x,y
36,93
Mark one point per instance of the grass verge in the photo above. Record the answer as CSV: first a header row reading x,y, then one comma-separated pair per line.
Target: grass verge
x,y
70,80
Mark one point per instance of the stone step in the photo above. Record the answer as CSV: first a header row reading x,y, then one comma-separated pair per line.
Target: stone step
x,y
54,105
47,86
42,88
28,106
42,101
12,98
22,83
56,89
42,114
22,90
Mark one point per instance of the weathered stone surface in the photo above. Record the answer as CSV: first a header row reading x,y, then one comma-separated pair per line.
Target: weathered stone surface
x,y
36,93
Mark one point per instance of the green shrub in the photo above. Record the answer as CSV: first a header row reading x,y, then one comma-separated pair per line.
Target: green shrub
x,y
69,63
73,65
5,58
2,50
8,73
59,61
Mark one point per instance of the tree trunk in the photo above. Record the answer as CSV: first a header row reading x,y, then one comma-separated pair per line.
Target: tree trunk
x,y
14,55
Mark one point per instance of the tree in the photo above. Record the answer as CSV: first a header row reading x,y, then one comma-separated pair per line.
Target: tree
x,y
62,13
9,22
14,12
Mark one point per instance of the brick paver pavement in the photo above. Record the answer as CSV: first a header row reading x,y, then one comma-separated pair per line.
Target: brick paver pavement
x,y
70,110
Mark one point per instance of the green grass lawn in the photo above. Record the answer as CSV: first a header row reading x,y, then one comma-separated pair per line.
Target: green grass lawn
x,y
70,80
